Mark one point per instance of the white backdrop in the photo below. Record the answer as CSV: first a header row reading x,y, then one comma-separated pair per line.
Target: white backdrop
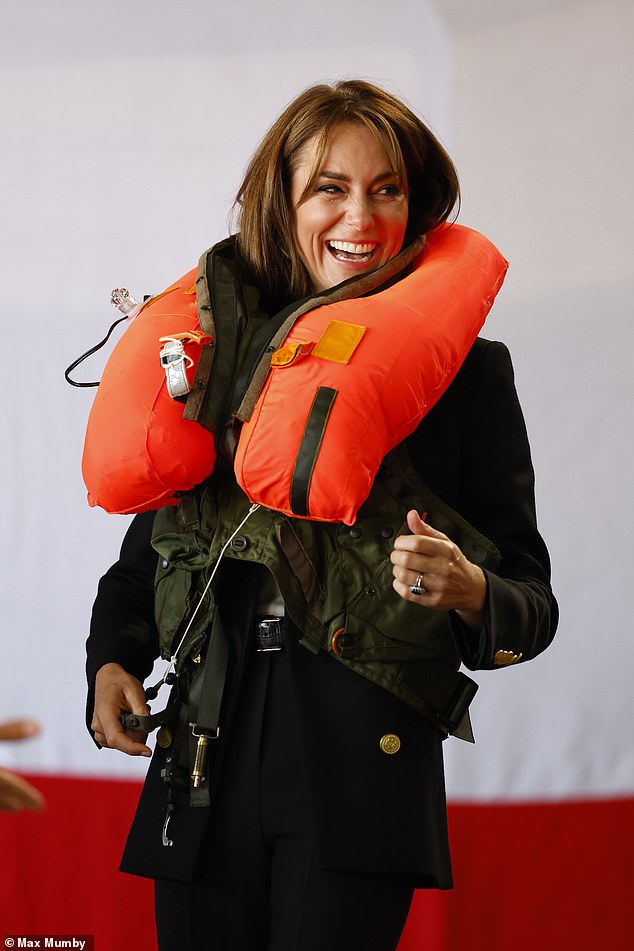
x,y
543,105
126,129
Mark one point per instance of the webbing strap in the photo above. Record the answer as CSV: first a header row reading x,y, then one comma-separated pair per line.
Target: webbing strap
x,y
302,566
448,693
309,448
214,676
218,314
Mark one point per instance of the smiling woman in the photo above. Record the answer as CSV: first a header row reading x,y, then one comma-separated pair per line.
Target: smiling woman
x,y
295,796
339,124
354,216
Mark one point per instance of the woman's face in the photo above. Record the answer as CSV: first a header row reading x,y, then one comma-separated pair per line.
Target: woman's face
x,y
356,216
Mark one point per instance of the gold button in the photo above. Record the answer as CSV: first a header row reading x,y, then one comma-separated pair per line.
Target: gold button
x,y
164,738
504,658
390,744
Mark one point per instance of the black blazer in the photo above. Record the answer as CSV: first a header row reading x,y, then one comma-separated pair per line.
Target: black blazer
x,y
372,811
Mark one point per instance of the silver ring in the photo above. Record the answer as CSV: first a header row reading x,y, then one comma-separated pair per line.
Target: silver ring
x,y
417,587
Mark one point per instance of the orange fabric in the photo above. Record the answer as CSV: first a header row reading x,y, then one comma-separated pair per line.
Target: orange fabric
x,y
418,333
389,357
138,449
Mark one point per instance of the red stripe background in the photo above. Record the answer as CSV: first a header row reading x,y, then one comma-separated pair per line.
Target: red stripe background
x,y
528,876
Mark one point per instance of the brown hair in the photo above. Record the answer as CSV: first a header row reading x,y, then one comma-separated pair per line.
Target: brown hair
x,y
264,212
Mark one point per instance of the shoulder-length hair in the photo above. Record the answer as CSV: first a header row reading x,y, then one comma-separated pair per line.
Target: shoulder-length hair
x,y
265,216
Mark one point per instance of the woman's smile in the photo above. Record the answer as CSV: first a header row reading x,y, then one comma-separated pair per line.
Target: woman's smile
x,y
347,251
354,217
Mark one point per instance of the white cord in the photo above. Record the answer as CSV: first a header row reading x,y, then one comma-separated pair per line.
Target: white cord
x,y
173,658
175,353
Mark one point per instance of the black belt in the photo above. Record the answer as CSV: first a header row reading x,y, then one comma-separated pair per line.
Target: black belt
x,y
269,634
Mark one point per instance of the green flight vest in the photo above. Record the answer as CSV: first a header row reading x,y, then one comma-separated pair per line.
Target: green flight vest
x,y
336,582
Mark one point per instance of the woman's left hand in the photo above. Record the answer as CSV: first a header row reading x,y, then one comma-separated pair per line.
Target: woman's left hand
x,y
450,582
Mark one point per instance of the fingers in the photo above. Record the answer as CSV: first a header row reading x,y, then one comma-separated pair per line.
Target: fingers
x,y
117,692
421,533
16,793
428,559
18,729
110,733
424,541
403,582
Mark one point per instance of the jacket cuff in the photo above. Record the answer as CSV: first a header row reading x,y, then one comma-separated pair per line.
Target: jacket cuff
x,y
472,645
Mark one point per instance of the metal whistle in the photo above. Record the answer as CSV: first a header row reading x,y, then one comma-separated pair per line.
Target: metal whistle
x,y
198,772
200,760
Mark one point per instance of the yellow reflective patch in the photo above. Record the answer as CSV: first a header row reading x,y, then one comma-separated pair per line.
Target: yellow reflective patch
x,y
339,341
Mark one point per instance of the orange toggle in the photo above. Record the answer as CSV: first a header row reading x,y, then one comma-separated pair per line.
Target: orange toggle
x,y
291,353
334,646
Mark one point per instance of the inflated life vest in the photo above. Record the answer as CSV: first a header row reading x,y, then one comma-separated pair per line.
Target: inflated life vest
x,y
138,449
348,381
354,378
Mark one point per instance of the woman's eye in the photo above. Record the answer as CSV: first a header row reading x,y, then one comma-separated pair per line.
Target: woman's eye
x,y
392,191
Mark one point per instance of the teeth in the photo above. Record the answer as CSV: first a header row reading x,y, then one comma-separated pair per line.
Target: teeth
x,y
351,248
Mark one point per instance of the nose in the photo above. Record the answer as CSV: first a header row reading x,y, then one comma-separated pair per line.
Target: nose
x,y
359,212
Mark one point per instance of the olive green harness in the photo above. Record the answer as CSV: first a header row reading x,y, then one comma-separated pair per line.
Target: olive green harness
x,y
336,582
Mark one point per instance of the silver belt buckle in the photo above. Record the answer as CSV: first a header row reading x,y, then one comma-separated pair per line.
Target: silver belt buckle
x,y
272,628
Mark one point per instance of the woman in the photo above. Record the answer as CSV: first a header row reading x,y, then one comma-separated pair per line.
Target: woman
x,y
320,804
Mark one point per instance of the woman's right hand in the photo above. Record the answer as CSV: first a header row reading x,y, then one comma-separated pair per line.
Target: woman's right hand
x,y
117,692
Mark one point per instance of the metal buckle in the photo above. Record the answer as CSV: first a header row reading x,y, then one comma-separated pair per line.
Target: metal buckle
x,y
269,635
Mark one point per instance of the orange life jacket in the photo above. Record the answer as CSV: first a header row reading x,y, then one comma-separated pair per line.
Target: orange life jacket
x,y
354,378
351,380
138,449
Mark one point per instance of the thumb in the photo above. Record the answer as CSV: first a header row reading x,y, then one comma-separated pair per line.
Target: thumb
x,y
18,729
418,526
135,696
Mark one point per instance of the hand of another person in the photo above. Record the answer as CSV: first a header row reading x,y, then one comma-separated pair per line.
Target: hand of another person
x,y
117,692
15,792
449,581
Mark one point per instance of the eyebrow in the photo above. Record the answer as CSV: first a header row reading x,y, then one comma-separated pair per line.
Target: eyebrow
x,y
337,177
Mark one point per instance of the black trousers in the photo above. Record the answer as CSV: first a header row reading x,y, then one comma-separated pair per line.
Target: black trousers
x,y
259,884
